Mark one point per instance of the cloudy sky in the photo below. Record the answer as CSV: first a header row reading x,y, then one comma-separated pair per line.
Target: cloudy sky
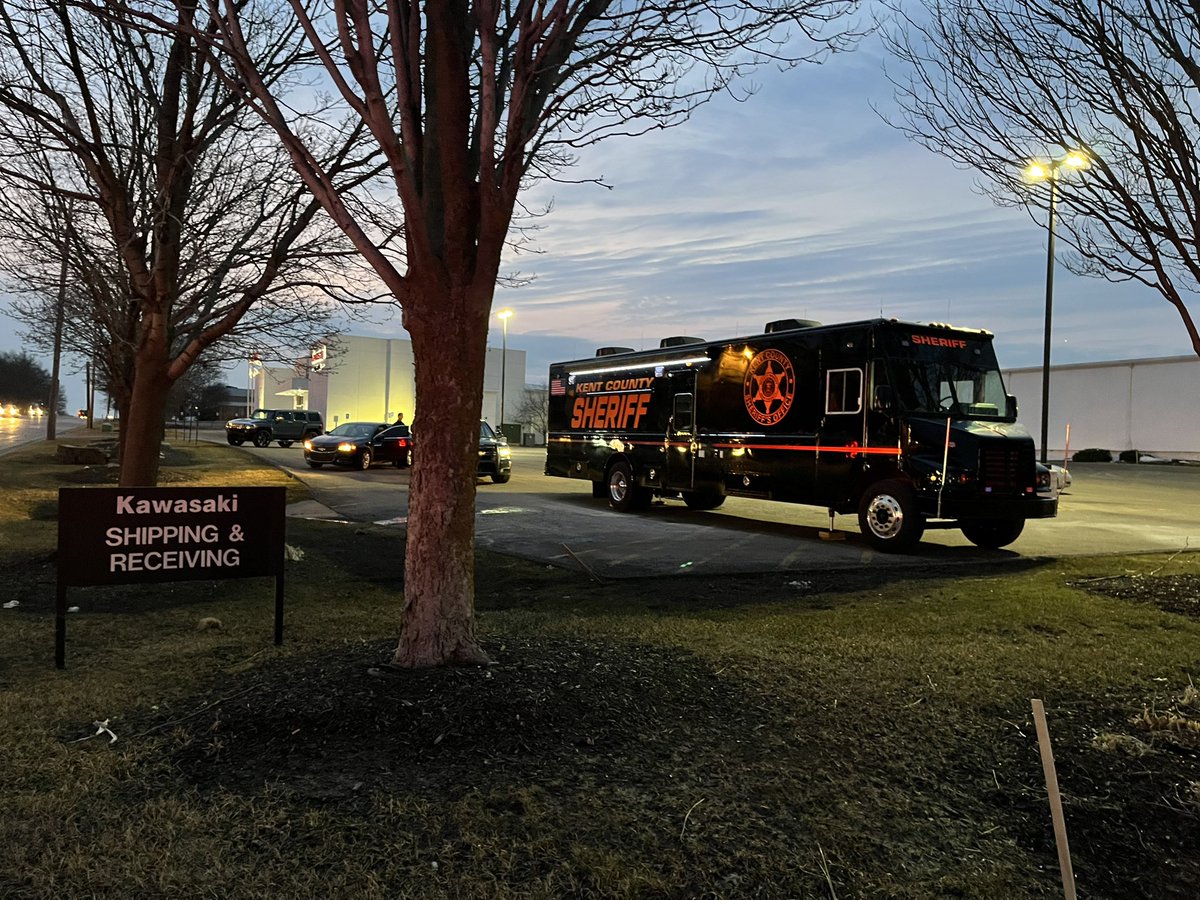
x,y
799,203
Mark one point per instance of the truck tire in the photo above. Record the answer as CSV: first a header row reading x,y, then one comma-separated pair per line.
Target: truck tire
x,y
992,533
624,494
703,499
284,444
889,518
501,477
262,438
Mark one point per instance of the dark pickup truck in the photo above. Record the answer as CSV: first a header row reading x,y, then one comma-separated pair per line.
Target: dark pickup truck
x,y
283,426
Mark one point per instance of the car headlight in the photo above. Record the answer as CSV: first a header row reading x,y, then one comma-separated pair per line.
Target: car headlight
x,y
345,447
308,445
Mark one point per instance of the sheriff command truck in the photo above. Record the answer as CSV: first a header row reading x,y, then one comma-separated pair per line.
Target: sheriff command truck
x,y
906,424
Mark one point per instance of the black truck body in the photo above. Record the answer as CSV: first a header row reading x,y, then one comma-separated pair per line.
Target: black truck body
x,y
908,425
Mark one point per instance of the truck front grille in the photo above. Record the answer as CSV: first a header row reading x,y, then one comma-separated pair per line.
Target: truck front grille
x,y
1006,468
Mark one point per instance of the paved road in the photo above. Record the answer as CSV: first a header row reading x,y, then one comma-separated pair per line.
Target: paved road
x,y
1110,509
15,432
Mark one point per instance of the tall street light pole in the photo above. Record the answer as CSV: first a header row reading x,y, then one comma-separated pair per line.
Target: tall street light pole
x,y
1050,172
504,315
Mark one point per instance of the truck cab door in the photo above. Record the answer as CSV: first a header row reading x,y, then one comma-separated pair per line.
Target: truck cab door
x,y
842,436
681,433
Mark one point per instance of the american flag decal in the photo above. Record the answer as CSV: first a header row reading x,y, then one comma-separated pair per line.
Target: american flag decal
x,y
557,387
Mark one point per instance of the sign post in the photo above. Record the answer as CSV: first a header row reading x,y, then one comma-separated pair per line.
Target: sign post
x,y
148,535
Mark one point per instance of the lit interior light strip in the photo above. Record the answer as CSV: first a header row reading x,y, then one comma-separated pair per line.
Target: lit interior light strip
x,y
654,364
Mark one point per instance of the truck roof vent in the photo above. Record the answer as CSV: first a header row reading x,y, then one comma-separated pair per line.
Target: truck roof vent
x,y
612,351
789,324
679,341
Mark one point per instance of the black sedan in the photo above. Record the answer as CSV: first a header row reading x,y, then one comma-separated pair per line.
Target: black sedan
x,y
356,444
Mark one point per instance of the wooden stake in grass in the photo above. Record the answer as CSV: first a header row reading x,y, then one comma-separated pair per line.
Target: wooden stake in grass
x,y
1056,811
596,578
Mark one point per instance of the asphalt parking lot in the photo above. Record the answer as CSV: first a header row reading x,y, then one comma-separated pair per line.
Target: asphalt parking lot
x,y
1109,509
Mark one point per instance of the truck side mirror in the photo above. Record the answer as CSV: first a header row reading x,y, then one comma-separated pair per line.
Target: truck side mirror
x,y
1010,406
883,401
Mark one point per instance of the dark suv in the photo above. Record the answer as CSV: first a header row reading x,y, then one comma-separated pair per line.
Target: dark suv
x,y
495,459
284,426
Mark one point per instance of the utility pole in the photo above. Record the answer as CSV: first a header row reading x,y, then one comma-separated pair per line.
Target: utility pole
x,y
52,412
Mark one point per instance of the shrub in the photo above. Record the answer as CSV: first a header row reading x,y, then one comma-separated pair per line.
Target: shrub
x,y
1093,454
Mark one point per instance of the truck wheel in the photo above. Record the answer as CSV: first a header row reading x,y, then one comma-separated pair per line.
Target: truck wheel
x,y
262,439
888,517
364,461
992,533
284,444
502,477
624,494
703,499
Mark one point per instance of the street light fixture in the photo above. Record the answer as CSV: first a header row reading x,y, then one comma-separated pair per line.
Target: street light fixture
x,y
1050,171
504,315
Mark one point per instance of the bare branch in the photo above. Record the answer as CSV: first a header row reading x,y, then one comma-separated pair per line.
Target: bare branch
x,y
991,86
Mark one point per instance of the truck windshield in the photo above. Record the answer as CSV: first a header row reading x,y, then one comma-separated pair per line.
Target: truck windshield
x,y
937,383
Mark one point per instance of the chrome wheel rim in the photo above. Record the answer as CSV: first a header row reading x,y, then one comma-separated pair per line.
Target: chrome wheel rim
x,y
885,517
618,487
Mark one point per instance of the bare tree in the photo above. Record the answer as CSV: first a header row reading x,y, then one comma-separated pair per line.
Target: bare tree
x,y
992,85
467,100
189,216
38,236
534,409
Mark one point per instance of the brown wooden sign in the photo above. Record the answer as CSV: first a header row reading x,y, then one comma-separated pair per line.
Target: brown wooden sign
x,y
146,535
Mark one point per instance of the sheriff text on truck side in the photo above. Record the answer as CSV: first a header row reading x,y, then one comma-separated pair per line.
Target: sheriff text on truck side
x,y
906,424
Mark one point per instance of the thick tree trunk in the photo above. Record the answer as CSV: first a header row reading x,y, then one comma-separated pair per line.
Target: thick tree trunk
x,y
143,420
438,625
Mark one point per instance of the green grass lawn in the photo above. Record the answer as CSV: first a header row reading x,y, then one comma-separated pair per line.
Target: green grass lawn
x,y
847,734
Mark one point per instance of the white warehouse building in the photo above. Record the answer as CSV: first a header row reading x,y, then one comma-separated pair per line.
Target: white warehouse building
x,y
1149,405
372,379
